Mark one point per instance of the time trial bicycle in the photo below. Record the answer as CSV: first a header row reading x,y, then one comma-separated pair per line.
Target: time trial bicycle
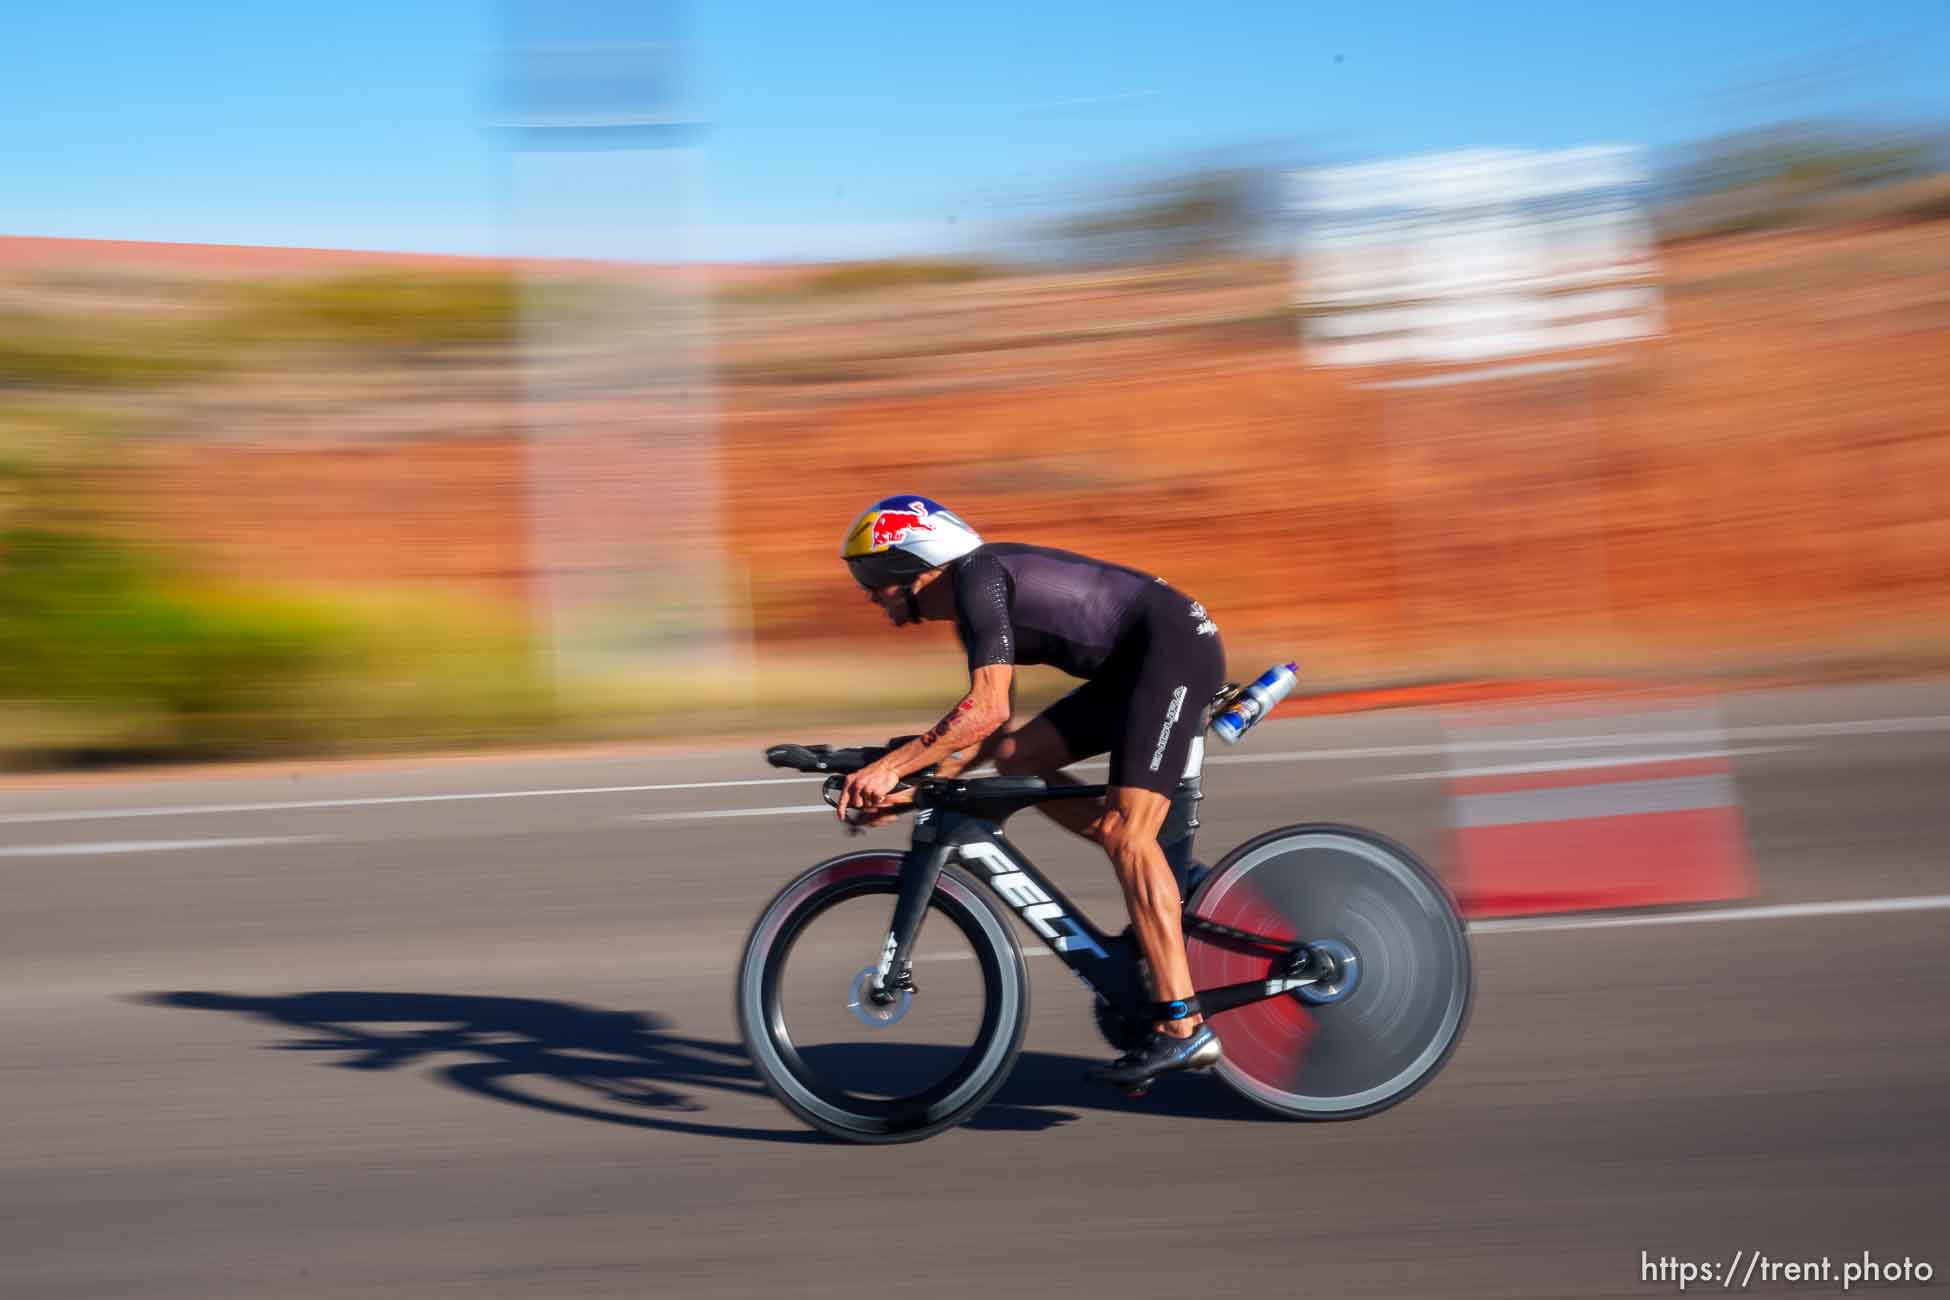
x,y
1333,965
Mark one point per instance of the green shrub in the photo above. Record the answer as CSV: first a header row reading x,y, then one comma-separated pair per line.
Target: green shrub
x,y
131,660
90,625
384,309
435,671
45,354
862,277
898,273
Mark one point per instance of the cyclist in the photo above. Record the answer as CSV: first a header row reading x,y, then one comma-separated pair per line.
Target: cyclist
x,y
1151,661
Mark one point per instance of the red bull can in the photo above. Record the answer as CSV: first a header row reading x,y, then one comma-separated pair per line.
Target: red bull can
x,y
1256,701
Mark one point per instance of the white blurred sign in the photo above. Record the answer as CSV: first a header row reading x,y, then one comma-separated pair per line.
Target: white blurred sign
x,y
1470,256
624,473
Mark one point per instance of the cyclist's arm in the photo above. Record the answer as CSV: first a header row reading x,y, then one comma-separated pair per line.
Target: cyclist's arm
x,y
982,623
980,715
981,600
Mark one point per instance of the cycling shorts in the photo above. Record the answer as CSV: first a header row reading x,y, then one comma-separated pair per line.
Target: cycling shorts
x,y
1148,701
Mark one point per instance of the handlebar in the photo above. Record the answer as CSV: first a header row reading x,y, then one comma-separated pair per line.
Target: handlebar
x,y
825,758
828,758
838,762
929,791
988,793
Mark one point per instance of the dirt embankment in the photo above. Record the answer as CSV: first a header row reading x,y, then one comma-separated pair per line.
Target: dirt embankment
x,y
1768,480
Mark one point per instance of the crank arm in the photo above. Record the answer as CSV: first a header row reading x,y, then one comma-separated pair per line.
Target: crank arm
x,y
1210,1002
1230,937
1319,973
1227,996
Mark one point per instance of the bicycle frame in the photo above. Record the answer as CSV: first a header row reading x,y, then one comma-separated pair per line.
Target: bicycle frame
x,y
1107,963
1303,885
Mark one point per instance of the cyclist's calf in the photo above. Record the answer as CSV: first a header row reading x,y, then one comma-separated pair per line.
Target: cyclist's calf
x,y
1128,831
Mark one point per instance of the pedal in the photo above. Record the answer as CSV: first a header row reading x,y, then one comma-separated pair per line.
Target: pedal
x,y
1134,1092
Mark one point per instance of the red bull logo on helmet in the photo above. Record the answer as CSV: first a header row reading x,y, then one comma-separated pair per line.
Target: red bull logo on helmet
x,y
915,524
891,526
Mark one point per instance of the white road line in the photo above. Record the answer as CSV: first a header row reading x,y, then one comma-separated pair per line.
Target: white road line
x,y
299,805
1865,727
1578,802
1773,912
1602,740
1714,737
1606,741
1697,792
1577,764
146,846
710,813
1709,916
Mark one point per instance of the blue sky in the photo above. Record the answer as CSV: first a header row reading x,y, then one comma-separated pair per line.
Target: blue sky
x,y
858,129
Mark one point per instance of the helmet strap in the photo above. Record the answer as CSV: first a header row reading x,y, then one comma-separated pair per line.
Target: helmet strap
x,y
913,605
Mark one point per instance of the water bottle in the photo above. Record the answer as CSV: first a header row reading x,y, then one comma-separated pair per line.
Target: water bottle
x,y
1255,702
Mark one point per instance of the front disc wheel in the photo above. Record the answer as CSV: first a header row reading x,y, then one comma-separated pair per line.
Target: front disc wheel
x,y
867,1065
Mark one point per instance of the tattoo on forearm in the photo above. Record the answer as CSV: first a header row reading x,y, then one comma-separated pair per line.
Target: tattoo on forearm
x,y
943,727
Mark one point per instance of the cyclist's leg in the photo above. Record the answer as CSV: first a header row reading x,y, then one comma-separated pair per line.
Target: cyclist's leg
x,y
1077,726
1164,712
1128,831
1129,834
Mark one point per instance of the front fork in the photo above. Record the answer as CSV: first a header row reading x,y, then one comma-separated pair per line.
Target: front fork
x,y
920,869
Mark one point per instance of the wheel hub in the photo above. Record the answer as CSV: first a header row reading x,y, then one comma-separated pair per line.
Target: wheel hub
x,y
877,1008
1336,968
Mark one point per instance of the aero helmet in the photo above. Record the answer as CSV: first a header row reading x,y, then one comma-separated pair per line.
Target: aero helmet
x,y
897,539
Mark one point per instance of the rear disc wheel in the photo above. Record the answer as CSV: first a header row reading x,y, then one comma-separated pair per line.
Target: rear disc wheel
x,y
1393,1010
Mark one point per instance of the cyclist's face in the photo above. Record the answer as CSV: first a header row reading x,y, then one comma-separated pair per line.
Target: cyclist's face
x,y
893,602
910,602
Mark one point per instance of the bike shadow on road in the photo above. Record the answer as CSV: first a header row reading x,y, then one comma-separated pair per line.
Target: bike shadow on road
x,y
629,1068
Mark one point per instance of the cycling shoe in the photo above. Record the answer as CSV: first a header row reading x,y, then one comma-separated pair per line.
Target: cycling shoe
x,y
1161,1054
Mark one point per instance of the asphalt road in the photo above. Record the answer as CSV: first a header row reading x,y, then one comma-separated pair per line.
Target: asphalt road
x,y
465,1029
